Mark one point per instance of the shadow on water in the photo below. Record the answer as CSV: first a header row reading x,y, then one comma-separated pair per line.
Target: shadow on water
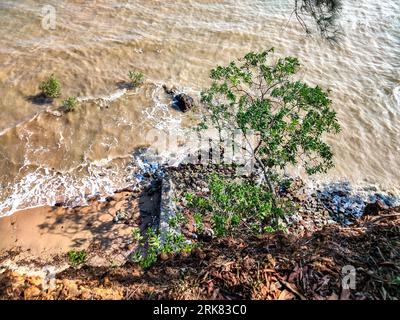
x,y
121,85
40,99
324,15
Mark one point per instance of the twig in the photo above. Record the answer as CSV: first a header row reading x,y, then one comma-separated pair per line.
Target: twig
x,y
384,217
289,286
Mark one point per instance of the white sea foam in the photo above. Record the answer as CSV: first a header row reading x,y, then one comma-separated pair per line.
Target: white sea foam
x,y
105,100
38,186
45,186
396,93
160,115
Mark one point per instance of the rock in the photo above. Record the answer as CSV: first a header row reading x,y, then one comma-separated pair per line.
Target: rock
x,y
171,91
36,281
106,282
108,294
85,294
373,209
164,256
339,193
207,235
109,199
31,293
70,288
183,102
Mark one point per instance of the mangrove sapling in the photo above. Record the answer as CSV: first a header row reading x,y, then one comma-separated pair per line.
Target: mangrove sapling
x,y
283,121
136,78
51,88
70,104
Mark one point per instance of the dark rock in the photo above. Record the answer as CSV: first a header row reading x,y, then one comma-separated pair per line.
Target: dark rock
x,y
207,235
183,102
339,193
109,199
373,209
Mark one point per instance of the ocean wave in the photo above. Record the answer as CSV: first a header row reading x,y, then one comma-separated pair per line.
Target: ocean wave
x,y
44,186
36,185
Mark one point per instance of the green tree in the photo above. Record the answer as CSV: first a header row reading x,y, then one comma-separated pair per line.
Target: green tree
x,y
282,120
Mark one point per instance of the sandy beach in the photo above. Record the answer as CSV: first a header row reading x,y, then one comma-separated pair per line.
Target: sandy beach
x,y
44,235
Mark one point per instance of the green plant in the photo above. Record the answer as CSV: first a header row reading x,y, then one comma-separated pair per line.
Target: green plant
x,y
200,204
176,242
396,281
199,221
137,78
51,88
70,104
233,204
77,257
283,121
136,235
177,220
153,246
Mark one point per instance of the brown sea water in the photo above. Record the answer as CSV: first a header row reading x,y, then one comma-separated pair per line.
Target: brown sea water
x,y
46,156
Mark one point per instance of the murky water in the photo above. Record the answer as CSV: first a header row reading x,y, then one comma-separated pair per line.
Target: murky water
x,y
47,157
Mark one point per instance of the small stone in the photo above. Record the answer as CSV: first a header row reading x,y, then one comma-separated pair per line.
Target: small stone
x,y
70,288
31,293
109,199
171,91
373,209
85,294
164,256
106,282
36,281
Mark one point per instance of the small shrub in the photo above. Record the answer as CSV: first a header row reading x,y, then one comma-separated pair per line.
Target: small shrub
x,y
77,257
174,243
230,204
199,221
136,235
176,221
137,78
70,104
51,88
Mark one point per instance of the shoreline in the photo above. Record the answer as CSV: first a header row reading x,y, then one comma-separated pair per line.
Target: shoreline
x,y
34,248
